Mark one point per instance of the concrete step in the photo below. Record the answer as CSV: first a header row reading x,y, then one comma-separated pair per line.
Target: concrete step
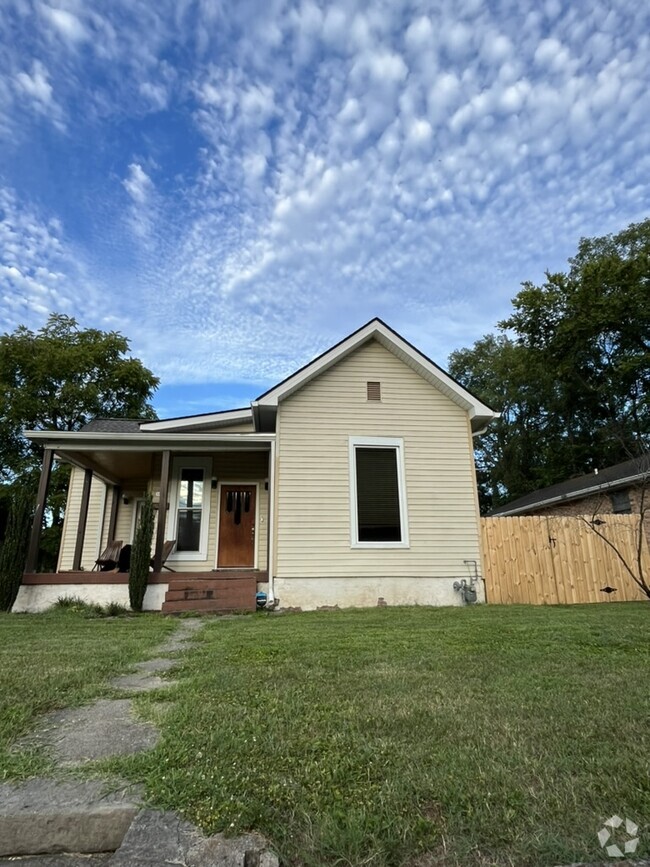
x,y
61,860
50,816
157,838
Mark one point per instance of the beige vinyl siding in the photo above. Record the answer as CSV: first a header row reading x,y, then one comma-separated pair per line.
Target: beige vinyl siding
x,y
233,427
94,523
313,515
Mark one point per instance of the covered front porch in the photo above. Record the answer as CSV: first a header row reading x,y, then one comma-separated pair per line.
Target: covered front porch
x,y
213,499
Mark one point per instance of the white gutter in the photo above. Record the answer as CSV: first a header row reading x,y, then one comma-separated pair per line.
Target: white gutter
x,y
114,442
576,495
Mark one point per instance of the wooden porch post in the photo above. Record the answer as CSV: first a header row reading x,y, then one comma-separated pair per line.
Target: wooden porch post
x,y
83,518
41,499
162,511
112,521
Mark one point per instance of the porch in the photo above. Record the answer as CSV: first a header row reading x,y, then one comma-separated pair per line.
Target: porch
x,y
225,591
212,496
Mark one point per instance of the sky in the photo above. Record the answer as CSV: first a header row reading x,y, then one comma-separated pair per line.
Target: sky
x,y
235,186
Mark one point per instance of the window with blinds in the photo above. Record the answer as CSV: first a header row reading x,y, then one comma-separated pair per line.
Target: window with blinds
x,y
378,508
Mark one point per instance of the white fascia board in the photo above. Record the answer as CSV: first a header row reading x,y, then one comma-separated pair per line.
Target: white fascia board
x,y
92,441
575,495
399,347
227,417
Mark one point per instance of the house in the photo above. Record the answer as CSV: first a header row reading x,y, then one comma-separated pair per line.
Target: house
x,y
614,490
350,483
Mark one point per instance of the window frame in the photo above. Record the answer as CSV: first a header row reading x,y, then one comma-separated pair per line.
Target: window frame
x,y
397,444
180,464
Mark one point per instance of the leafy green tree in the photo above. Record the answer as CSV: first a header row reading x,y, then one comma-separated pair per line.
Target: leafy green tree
x,y
141,555
570,368
13,549
58,378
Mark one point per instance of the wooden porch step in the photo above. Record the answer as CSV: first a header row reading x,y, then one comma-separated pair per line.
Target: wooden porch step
x,y
208,606
220,595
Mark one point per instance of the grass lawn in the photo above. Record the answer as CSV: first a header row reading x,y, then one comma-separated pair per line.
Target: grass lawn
x,y
58,659
470,736
466,736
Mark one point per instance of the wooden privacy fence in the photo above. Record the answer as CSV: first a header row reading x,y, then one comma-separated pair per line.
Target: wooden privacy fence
x,y
556,561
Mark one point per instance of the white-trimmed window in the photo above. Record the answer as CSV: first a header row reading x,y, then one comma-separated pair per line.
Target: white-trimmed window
x,y
378,514
190,508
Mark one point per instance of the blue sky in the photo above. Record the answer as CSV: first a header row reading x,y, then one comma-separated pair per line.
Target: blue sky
x,y
237,185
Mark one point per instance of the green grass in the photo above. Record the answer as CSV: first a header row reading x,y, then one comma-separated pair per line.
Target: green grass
x,y
58,659
474,736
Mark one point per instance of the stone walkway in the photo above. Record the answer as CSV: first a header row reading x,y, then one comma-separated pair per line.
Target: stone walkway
x,y
67,823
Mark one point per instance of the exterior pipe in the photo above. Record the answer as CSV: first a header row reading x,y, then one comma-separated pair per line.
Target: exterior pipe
x,y
271,601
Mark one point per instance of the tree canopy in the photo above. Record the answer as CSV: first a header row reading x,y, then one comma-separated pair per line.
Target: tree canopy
x,y
60,377
569,369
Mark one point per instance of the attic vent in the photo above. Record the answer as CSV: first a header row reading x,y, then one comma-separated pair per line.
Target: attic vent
x,y
374,390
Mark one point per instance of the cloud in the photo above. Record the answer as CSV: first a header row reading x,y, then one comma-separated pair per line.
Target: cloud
x,y
65,23
138,184
289,169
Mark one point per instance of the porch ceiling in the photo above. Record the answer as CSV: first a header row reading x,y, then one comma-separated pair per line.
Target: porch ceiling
x,y
120,457
114,467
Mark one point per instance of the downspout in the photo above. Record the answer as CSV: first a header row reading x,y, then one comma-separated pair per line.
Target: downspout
x,y
271,601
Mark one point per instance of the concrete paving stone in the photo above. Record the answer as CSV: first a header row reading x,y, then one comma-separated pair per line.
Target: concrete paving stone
x,y
160,838
155,838
50,816
142,681
101,730
154,665
62,860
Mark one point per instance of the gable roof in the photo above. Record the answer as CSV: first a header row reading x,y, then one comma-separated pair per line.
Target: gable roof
x,y
618,476
262,411
480,413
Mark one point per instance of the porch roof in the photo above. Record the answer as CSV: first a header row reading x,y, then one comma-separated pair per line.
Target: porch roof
x,y
116,457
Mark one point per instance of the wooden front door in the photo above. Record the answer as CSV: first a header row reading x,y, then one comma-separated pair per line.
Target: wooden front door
x,y
237,527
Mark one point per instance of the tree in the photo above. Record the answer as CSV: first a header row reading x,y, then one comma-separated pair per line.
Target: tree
x,y
58,378
571,367
14,546
141,555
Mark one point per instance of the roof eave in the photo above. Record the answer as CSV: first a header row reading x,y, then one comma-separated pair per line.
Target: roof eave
x,y
573,495
376,329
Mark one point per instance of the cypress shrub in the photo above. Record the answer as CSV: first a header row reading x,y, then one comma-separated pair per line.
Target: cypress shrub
x,y
141,554
13,551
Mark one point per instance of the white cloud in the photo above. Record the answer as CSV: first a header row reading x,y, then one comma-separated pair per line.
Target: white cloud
x,y
319,163
65,23
138,184
37,85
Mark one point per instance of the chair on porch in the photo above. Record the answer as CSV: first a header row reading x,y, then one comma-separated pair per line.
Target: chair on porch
x,y
107,560
168,548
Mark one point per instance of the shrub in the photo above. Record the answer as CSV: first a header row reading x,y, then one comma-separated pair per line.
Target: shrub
x,y
90,609
141,554
79,606
14,548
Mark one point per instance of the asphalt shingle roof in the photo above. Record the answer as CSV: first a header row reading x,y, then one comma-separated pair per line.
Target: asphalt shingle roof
x,y
113,425
609,477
